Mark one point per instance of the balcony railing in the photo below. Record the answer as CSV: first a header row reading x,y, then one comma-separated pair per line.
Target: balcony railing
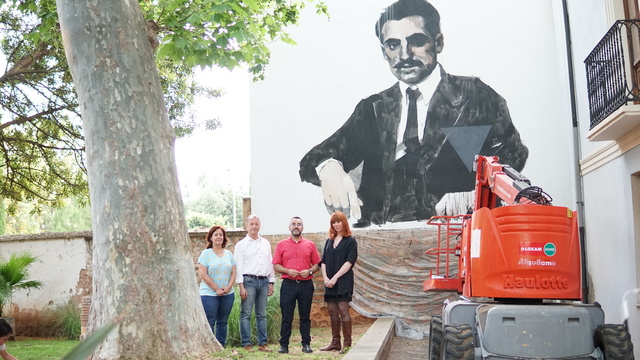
x,y
611,81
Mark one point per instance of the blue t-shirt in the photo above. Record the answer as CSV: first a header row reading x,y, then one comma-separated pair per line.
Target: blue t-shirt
x,y
218,268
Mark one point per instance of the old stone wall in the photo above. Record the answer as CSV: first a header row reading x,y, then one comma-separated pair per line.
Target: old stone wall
x,y
389,274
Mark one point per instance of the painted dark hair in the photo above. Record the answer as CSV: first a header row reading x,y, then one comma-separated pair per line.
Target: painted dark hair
x,y
405,8
5,328
210,235
346,229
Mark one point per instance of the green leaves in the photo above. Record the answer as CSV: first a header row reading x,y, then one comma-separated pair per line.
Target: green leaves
x,y
41,142
227,33
85,348
41,146
14,275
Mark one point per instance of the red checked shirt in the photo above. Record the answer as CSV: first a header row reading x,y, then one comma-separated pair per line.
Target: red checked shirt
x,y
299,256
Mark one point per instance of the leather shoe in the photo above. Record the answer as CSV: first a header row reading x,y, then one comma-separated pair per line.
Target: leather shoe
x,y
249,348
264,348
306,349
283,349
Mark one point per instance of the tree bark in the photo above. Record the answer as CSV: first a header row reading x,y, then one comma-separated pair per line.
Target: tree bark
x,y
143,269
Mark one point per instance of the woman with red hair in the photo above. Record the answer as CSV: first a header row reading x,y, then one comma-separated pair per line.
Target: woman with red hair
x,y
339,257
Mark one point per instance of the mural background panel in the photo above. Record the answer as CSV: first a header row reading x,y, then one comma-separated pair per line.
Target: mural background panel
x,y
312,88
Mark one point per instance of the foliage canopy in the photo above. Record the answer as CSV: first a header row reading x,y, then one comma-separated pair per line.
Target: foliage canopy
x,y
41,143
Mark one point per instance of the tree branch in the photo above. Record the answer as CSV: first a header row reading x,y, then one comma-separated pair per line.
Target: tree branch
x,y
41,145
23,120
21,66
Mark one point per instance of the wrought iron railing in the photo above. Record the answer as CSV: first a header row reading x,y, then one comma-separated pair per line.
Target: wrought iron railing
x,y
611,81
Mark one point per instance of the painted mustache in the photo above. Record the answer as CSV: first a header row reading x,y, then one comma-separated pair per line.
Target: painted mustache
x,y
407,64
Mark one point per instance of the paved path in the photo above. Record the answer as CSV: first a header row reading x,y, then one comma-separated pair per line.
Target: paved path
x,y
406,349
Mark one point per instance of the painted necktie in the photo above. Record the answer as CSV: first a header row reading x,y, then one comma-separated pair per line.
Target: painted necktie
x,y
410,137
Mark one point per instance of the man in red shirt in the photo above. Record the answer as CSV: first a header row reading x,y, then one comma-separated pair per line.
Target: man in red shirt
x,y
297,259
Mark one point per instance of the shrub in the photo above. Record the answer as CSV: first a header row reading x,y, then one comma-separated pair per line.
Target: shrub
x,y
68,319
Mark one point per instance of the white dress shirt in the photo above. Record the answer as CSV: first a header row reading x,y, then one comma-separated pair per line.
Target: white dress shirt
x,y
427,88
253,257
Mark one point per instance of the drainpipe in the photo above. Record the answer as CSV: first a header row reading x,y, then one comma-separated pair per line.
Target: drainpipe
x,y
576,152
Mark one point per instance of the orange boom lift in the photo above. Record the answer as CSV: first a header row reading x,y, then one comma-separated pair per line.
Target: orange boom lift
x,y
518,270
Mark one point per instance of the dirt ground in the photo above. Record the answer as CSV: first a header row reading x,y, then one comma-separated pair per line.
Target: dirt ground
x,y
405,349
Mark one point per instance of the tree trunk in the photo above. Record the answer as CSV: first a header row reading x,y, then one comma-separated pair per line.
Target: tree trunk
x,y
142,265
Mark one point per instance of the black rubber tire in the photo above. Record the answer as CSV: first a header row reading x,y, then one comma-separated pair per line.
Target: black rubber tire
x,y
435,337
458,343
614,341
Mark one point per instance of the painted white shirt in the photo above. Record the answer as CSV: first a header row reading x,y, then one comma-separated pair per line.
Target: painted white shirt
x,y
427,89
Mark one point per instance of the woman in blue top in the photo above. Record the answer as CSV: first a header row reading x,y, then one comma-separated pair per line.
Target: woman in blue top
x,y
217,269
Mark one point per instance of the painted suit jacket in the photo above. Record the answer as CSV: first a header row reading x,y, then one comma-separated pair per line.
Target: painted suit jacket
x,y
460,106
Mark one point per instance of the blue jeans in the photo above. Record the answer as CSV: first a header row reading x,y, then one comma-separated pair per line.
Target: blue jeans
x,y
217,309
257,293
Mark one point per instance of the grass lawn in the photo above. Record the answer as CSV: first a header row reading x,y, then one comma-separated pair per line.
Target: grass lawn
x,y
40,349
54,349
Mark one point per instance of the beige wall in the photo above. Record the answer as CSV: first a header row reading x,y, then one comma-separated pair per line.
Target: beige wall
x,y
63,261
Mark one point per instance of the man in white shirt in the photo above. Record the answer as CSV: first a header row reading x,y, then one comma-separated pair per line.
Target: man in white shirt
x,y
255,277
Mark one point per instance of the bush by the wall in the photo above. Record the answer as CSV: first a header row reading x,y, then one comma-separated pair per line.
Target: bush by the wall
x,y
67,318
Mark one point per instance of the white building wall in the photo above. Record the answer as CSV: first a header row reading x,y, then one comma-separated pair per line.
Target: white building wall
x,y
609,213
58,267
609,234
311,89
589,22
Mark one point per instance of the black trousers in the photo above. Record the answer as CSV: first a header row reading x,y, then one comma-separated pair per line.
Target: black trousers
x,y
290,292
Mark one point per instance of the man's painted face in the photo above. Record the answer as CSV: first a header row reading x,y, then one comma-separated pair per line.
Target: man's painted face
x,y
412,53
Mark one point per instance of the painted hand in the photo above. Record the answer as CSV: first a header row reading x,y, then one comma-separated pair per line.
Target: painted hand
x,y
339,190
458,203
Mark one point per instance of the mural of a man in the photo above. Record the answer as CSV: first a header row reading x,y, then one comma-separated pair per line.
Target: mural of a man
x,y
407,150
